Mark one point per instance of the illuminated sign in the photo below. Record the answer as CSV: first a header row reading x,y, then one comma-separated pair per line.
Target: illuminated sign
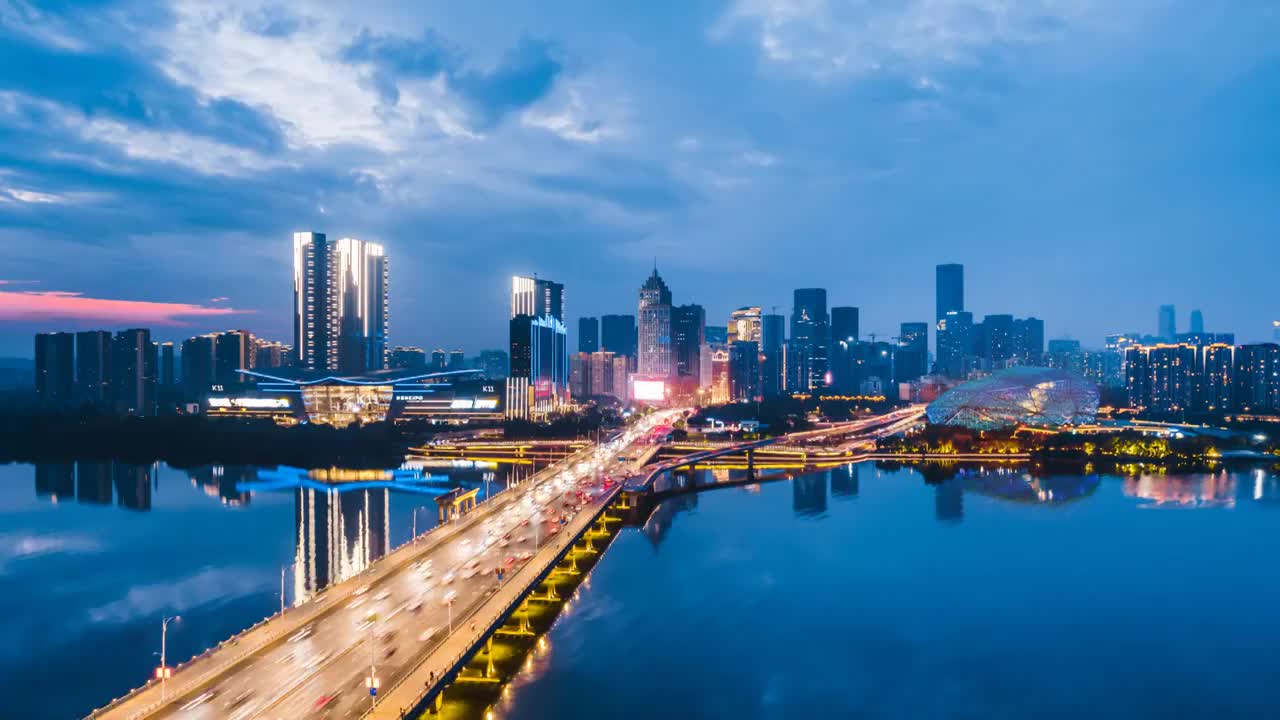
x,y
542,389
462,404
251,403
653,390
486,403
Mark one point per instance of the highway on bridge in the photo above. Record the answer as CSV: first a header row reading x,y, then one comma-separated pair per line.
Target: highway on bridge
x,y
381,622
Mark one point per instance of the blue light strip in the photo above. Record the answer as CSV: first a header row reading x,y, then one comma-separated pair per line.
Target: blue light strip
x,y
352,381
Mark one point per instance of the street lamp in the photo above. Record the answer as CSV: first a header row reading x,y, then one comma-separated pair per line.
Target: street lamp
x,y
371,682
164,672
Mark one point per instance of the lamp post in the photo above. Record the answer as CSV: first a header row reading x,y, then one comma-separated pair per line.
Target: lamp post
x,y
164,671
372,681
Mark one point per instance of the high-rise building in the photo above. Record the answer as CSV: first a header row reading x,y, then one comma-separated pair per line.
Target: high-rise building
x,y
538,381
580,385
995,340
1197,322
911,357
494,363
269,354
688,333
844,324
588,334
949,290
409,358
198,366
232,353
717,334
93,369
1028,341
1162,378
167,369
457,360
1217,377
1065,354
1167,323
439,360
744,324
657,356
134,365
810,331
744,370
1257,377
772,340
603,375
1115,350
618,335
955,343
340,303
56,370
796,363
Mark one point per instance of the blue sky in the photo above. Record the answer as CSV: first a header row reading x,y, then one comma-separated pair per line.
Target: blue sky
x,y
1086,160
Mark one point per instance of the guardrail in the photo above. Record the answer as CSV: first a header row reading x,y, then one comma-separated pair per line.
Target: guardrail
x,y
328,602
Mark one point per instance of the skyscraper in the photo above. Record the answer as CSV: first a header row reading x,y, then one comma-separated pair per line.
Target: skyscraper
x,y
744,370
198,366
810,331
996,340
538,381
134,363
1257,377
955,343
949,289
55,370
618,335
362,306
688,333
409,358
1028,341
93,368
657,359
340,303
744,324
232,352
772,339
911,358
844,324
588,334
1168,323
1197,322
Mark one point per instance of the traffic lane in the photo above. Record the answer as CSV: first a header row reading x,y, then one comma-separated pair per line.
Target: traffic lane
x,y
339,694
239,691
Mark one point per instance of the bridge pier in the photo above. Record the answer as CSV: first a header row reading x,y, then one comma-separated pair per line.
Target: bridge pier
x,y
751,462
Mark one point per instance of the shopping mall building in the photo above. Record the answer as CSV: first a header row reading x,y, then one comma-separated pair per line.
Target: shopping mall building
x,y
290,397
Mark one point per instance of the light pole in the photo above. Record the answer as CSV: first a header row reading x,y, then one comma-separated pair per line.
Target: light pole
x,y
164,672
372,681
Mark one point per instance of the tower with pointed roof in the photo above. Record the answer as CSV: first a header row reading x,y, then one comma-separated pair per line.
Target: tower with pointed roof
x,y
656,355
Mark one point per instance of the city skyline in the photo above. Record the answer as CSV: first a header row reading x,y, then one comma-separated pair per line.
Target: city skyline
x,y
554,140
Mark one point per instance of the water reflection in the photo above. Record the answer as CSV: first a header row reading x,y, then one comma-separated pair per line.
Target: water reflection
x,y
809,494
96,483
1218,490
338,535
844,483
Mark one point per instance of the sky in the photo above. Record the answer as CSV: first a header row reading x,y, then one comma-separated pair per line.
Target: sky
x,y
1086,160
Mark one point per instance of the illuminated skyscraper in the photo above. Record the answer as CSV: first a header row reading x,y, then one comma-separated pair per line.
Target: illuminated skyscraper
x,y
657,356
134,365
340,303
688,333
745,324
811,334
538,382
772,339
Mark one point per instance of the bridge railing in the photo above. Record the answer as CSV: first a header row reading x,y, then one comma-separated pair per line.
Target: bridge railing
x,y
313,612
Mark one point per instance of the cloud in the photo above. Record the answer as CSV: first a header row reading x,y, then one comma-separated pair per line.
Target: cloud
x,y
60,305
833,38
525,74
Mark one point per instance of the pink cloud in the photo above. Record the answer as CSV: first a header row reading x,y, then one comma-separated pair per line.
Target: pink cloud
x,y
61,305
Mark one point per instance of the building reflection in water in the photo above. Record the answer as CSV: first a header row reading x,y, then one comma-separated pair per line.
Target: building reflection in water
x,y
663,516
809,494
223,481
948,501
95,482
1216,490
1262,486
844,482
338,535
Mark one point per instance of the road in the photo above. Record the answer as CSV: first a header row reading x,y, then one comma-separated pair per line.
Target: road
x,y
388,624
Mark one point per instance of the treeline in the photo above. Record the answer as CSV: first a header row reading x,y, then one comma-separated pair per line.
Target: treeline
x,y
954,440
194,440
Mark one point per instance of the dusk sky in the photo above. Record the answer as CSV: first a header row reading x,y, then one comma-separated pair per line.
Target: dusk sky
x,y
1087,160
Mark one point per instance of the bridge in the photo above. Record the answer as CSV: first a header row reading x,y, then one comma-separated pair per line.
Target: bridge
x,y
420,625
854,434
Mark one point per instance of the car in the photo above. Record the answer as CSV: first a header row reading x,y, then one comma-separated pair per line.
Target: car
x,y
324,701
301,635
427,634
200,700
362,590
447,579
449,597
382,595
355,604
239,700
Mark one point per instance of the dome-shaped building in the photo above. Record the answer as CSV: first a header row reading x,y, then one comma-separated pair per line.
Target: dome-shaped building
x,y
1043,397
